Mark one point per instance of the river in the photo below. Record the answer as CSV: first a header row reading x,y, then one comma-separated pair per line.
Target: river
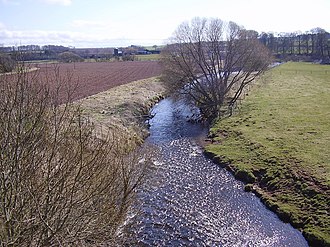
x,y
190,201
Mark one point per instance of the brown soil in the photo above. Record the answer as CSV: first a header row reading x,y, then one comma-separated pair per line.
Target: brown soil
x,y
110,93
86,79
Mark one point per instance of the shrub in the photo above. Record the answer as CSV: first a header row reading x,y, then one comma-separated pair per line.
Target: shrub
x,y
69,57
60,183
129,58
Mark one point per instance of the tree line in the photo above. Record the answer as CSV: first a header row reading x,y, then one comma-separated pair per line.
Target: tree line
x,y
34,52
312,45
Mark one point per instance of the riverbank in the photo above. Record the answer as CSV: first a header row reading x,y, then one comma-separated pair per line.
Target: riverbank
x,y
188,200
278,143
125,107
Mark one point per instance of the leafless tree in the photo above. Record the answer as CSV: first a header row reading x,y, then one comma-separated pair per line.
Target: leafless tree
x,y
211,62
7,64
60,184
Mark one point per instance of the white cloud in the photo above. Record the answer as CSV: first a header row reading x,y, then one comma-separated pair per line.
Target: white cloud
x,y
40,37
77,39
66,38
86,23
61,2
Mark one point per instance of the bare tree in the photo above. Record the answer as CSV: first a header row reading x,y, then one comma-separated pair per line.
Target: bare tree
x,y
7,64
211,62
328,50
60,184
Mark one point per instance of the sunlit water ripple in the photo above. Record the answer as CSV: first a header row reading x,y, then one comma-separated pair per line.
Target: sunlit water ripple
x,y
190,201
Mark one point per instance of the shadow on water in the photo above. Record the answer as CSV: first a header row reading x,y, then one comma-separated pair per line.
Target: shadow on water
x,y
190,201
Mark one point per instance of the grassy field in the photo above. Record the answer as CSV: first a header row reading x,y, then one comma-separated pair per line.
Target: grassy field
x,y
150,57
279,142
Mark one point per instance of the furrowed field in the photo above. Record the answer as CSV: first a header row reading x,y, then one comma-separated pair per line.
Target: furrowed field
x,y
279,142
86,79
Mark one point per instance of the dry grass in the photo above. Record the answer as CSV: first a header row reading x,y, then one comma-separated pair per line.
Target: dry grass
x,y
125,106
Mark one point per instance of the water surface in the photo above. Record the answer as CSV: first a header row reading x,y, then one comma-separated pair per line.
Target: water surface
x,y
190,201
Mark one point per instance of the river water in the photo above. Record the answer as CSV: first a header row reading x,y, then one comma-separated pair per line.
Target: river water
x,y
190,201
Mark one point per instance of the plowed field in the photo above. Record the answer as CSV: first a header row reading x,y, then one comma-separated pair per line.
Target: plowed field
x,y
91,78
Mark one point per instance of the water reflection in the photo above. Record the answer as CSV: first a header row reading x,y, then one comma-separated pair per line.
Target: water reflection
x,y
190,201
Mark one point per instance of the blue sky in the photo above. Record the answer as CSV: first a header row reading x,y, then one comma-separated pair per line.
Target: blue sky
x,y
108,23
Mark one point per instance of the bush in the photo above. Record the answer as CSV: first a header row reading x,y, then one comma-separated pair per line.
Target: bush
x,y
7,64
69,57
129,58
60,183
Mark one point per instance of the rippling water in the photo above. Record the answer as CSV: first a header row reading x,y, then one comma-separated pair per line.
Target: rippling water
x,y
190,201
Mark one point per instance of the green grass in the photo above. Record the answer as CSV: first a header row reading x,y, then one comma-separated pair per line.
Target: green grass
x,y
150,57
280,138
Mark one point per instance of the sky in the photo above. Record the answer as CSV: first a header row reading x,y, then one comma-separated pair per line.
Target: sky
x,y
117,23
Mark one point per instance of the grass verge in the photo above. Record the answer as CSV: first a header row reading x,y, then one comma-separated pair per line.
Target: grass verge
x,y
149,57
278,142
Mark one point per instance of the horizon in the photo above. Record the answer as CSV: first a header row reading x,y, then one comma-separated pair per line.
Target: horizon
x,y
107,24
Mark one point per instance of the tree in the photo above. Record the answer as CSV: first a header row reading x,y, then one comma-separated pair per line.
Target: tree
x,y
211,62
322,39
328,50
61,184
299,40
7,64
292,42
69,57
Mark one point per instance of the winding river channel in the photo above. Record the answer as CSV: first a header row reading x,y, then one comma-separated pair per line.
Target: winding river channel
x,y
190,201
